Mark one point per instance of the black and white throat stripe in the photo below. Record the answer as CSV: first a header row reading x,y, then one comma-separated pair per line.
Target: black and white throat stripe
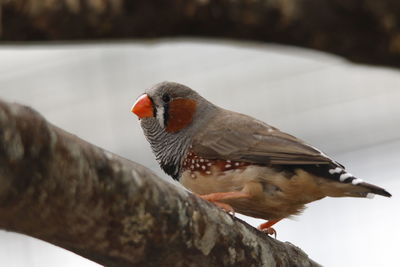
x,y
161,114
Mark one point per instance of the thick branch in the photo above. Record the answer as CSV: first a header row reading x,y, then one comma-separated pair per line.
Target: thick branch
x,y
360,30
56,187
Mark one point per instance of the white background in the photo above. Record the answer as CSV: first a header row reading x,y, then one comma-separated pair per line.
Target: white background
x,y
351,112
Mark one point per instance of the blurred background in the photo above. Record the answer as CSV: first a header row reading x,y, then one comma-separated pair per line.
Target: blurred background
x,y
349,111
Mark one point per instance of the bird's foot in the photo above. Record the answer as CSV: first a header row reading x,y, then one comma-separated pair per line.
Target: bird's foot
x,y
269,231
266,227
217,197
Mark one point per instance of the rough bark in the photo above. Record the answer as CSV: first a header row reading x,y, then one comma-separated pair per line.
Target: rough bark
x,y
61,189
361,30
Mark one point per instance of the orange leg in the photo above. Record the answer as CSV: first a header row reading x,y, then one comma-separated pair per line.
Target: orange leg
x,y
266,227
216,197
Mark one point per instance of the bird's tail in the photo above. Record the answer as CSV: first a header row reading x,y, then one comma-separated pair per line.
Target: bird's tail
x,y
373,189
344,183
353,186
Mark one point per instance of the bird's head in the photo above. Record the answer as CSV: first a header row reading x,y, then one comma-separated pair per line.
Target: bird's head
x,y
172,105
170,114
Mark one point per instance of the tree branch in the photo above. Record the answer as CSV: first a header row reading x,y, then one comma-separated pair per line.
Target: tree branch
x,y
61,189
365,31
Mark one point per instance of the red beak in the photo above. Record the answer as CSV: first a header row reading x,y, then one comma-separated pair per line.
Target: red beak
x,y
143,107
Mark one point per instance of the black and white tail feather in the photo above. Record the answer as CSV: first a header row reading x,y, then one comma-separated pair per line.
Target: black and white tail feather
x,y
337,172
342,176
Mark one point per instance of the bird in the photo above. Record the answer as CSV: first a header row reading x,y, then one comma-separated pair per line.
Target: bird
x,y
237,162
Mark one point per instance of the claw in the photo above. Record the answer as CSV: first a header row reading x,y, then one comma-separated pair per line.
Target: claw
x,y
266,227
268,231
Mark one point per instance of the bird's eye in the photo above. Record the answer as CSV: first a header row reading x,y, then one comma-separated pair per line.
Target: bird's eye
x,y
166,98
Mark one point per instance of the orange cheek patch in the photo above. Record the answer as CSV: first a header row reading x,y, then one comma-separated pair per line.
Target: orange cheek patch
x,y
180,114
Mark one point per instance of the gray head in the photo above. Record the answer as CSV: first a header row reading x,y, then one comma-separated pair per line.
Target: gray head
x,y
171,114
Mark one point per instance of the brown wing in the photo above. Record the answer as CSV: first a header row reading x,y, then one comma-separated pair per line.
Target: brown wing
x,y
235,136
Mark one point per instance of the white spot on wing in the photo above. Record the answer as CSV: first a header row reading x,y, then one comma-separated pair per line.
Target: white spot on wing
x,y
336,170
357,181
370,195
344,176
228,165
108,155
